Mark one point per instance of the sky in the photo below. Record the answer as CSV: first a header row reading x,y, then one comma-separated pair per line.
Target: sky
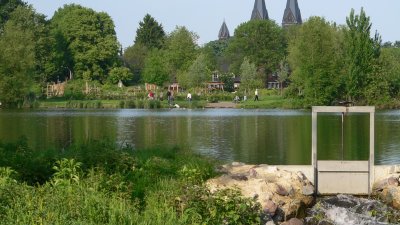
x,y
205,17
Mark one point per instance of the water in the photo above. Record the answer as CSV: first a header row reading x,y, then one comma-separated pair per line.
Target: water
x,y
349,210
250,136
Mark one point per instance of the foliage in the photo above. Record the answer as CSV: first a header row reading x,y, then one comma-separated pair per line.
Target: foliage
x,y
228,80
361,51
197,74
181,49
222,207
135,57
150,33
17,59
90,39
261,41
155,71
119,74
99,183
250,79
314,56
6,8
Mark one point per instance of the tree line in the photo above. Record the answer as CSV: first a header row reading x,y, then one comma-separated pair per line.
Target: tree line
x,y
321,62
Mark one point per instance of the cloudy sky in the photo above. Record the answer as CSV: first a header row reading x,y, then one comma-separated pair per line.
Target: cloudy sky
x,y
205,17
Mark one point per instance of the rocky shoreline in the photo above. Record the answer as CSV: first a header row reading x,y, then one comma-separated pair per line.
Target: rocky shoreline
x,y
286,195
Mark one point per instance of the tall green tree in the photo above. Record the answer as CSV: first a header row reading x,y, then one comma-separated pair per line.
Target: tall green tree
x,y
17,60
250,78
6,8
150,33
134,57
181,50
261,41
197,74
315,59
155,70
90,40
361,51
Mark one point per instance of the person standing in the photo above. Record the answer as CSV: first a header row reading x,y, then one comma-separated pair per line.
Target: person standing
x,y
169,97
256,95
189,97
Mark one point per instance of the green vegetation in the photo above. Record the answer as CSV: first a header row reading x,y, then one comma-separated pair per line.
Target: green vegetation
x,y
320,63
100,183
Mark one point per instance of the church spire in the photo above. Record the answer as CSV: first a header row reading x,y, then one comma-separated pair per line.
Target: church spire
x,y
260,10
292,14
223,32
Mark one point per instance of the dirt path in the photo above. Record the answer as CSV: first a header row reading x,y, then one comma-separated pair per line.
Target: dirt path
x,y
221,105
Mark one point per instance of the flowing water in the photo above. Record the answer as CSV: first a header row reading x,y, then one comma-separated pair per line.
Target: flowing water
x,y
349,210
250,136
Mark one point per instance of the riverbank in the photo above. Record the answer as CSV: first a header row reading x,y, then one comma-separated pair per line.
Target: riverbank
x,y
267,102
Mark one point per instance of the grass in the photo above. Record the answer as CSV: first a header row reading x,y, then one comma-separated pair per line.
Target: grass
x,y
267,102
100,183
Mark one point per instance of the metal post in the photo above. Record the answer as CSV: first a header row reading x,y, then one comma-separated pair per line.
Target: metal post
x,y
314,149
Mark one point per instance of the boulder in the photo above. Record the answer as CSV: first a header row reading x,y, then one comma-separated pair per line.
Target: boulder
x,y
282,194
293,221
391,196
385,183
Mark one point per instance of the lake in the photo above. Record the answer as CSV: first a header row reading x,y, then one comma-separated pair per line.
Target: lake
x,y
250,136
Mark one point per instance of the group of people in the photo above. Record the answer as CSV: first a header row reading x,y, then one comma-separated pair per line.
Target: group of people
x,y
237,98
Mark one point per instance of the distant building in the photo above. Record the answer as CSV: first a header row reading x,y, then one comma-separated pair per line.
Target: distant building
x,y
223,32
259,11
292,14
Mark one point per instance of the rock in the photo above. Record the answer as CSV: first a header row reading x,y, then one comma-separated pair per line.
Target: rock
x,y
239,177
280,190
237,164
253,173
269,207
385,183
282,194
391,196
308,190
293,221
272,169
270,223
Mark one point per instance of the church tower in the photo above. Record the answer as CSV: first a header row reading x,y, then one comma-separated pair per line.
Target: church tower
x,y
292,14
260,11
223,32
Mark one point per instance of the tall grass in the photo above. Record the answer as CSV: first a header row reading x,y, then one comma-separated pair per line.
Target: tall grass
x,y
100,183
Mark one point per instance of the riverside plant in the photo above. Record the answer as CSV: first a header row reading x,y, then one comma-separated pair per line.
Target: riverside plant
x,y
99,182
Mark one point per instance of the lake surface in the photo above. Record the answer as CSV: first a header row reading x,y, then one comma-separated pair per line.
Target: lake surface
x,y
250,136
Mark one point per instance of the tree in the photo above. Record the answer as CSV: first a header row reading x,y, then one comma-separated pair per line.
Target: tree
x,y
155,70
315,59
283,73
361,51
6,8
17,61
90,39
181,50
261,41
197,74
150,33
119,74
250,79
134,57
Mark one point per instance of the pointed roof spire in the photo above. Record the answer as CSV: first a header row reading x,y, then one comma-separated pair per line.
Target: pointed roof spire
x,y
292,14
224,32
259,11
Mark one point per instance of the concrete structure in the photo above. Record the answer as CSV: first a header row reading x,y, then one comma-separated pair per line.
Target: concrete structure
x,y
347,177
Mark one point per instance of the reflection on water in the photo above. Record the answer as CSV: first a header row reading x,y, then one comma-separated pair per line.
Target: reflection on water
x,y
251,136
